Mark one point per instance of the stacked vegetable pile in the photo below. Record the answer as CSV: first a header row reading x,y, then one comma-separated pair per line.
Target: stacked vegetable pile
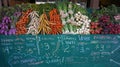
x,y
73,18
106,21
62,17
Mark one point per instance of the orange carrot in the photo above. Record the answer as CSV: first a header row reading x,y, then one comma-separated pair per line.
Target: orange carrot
x,y
55,22
21,24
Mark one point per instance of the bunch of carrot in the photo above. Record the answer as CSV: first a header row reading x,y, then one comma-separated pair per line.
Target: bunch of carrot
x,y
55,22
43,27
21,24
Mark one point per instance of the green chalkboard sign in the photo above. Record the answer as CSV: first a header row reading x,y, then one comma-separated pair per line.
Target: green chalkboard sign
x,y
60,51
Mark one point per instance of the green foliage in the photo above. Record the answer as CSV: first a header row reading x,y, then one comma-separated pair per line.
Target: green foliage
x,y
111,10
63,5
78,8
47,7
35,7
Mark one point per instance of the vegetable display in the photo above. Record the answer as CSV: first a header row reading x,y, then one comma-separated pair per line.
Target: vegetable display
x,y
84,22
21,24
44,24
61,17
55,22
74,20
33,24
5,27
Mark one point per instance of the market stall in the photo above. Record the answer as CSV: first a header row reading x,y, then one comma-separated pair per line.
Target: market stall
x,y
59,34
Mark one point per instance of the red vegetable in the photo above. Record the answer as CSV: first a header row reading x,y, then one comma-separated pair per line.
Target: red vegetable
x,y
55,22
21,24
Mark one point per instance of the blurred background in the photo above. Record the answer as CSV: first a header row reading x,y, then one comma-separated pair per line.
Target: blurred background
x,y
88,3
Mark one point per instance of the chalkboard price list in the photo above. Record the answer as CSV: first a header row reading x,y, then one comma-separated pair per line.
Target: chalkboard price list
x,y
60,51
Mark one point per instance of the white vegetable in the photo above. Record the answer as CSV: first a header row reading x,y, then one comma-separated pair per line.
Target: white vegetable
x,y
84,22
34,23
61,12
70,12
70,6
